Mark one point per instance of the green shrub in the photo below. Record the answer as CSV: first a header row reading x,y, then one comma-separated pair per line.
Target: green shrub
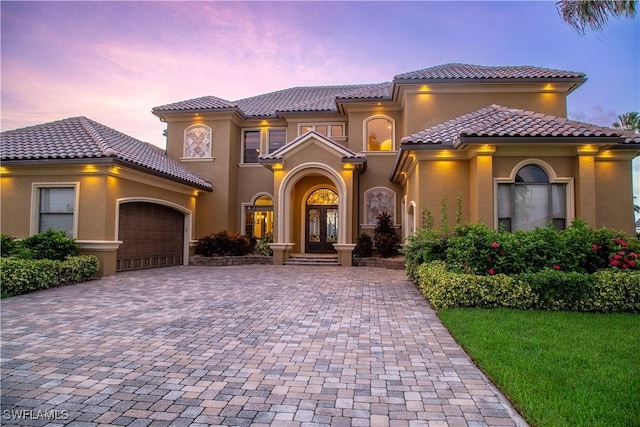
x,y
424,246
8,245
263,245
446,289
78,268
385,237
481,250
364,246
19,276
608,290
615,290
50,244
225,244
558,290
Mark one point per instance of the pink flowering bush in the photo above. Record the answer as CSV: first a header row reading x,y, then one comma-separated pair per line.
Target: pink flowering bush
x,y
478,249
624,257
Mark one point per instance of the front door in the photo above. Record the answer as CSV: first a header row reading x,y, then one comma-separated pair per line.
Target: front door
x,y
322,229
321,221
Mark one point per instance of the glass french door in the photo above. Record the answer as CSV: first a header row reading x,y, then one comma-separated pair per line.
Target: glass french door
x,y
322,229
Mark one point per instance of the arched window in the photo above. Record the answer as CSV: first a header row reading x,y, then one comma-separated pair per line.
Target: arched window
x,y
197,142
532,200
378,132
259,217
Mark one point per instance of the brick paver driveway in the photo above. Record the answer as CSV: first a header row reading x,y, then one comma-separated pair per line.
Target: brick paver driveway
x,y
240,345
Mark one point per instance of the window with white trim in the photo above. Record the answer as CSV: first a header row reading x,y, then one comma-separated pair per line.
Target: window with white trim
x,y
55,207
331,130
531,200
379,134
197,142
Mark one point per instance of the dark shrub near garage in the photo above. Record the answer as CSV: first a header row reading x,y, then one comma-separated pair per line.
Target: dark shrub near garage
x,y
225,244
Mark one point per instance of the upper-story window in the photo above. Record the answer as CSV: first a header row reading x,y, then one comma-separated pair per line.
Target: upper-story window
x,y
197,142
256,141
532,200
378,132
250,146
276,138
331,130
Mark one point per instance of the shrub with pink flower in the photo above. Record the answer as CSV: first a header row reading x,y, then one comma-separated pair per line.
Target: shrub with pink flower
x,y
624,258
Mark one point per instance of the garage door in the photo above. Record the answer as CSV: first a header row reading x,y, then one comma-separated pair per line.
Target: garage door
x,y
152,236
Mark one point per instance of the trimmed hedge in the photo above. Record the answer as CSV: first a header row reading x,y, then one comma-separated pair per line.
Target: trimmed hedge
x,y
446,289
19,276
604,291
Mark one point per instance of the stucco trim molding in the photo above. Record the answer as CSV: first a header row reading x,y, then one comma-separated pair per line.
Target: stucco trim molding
x,y
283,212
99,245
553,179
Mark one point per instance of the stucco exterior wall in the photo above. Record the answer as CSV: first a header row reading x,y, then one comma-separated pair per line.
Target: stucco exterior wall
x,y
99,189
423,110
440,178
613,186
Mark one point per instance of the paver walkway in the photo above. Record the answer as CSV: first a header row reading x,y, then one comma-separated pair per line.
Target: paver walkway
x,y
239,345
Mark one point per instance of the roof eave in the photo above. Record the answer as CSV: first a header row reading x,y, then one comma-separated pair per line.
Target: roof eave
x,y
207,187
162,113
564,140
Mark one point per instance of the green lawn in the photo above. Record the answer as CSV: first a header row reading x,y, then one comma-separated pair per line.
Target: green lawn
x,y
558,368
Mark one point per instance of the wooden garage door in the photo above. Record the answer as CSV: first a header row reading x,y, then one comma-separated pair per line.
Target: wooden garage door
x,y
152,236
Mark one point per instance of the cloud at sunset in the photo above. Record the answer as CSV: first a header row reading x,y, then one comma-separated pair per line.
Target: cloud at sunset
x,y
114,61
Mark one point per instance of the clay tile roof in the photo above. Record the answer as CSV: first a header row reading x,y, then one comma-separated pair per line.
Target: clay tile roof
x,y
82,138
296,99
467,71
202,103
499,121
311,98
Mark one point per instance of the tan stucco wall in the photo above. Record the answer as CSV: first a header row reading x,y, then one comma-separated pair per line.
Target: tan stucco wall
x,y
440,178
100,186
614,195
219,209
423,110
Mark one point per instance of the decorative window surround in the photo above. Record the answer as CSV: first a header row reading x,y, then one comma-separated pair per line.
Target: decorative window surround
x,y
197,142
553,179
376,201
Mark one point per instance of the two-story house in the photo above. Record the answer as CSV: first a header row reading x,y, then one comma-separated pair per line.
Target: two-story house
x,y
315,166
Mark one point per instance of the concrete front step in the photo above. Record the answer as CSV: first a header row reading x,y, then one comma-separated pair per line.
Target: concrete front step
x,y
308,259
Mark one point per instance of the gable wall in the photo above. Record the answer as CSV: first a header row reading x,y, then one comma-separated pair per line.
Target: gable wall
x,y
217,210
424,110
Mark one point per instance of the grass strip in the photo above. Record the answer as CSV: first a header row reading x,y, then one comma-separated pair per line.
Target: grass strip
x,y
558,368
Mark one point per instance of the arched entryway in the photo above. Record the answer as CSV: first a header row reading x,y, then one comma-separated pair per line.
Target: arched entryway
x,y
321,221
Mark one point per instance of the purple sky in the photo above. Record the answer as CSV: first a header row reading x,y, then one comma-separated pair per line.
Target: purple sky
x,y
114,61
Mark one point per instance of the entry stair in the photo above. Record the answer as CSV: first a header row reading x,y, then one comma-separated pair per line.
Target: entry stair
x,y
313,259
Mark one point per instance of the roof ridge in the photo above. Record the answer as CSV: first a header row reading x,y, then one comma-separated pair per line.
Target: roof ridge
x,y
290,89
95,135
